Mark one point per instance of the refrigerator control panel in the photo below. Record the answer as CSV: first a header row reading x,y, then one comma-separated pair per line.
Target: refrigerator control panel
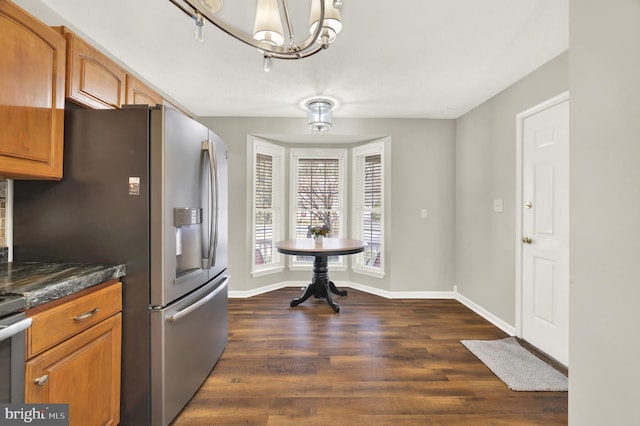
x,y
184,216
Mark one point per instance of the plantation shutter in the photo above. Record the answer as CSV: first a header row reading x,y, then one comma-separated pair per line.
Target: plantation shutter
x,y
319,195
263,208
372,212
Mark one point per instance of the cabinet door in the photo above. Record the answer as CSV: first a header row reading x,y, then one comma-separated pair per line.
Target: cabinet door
x,y
83,372
93,80
140,94
32,70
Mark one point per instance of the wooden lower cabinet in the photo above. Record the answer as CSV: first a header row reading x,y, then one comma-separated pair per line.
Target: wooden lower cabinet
x,y
82,370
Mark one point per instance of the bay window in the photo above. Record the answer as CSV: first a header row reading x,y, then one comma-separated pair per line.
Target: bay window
x,y
368,207
268,183
317,187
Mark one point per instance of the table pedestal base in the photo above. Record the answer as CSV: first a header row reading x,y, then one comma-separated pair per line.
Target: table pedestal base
x,y
320,287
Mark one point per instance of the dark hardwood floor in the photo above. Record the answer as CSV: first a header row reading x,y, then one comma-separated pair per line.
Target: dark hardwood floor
x,y
377,362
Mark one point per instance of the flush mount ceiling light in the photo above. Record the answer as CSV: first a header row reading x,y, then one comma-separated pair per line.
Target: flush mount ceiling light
x,y
268,34
319,114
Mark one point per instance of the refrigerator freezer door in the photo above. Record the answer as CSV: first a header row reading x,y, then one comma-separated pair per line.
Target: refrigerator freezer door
x,y
179,206
184,351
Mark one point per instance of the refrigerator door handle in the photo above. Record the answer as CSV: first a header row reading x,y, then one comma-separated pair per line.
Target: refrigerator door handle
x,y
214,161
209,148
191,308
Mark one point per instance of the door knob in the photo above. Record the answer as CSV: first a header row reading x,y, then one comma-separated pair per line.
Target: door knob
x,y
527,240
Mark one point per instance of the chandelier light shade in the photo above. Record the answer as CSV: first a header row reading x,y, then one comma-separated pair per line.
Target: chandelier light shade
x,y
319,114
269,35
268,25
332,21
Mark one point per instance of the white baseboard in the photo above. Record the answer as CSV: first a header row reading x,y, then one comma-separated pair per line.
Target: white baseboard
x,y
399,294
367,289
510,330
259,290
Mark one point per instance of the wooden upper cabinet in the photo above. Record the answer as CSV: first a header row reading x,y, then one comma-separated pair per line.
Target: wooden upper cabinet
x,y
139,93
93,80
32,72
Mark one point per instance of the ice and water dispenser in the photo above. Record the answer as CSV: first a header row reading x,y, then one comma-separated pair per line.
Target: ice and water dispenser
x,y
188,227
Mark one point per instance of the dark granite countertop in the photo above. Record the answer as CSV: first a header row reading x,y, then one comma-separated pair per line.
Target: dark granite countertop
x,y
43,282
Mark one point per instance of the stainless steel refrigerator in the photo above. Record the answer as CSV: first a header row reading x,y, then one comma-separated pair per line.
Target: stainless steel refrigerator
x,y
146,187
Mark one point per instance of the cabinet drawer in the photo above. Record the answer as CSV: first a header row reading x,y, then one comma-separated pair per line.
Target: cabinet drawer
x,y
52,326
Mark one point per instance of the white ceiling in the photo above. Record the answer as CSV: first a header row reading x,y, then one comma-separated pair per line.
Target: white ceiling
x,y
402,59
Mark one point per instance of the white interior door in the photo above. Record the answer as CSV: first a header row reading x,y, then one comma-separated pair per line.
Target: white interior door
x,y
545,229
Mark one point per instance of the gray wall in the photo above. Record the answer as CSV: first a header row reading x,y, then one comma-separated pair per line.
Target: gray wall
x,y
420,253
604,384
486,170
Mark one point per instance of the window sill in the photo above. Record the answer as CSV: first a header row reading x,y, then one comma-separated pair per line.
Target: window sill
x,y
267,271
369,271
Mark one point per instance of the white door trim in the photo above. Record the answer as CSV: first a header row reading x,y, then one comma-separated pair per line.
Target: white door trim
x,y
519,200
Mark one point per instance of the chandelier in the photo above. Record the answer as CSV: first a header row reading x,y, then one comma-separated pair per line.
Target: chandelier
x,y
268,34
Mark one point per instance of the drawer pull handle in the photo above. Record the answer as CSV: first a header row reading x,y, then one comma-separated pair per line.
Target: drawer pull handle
x,y
41,381
86,314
